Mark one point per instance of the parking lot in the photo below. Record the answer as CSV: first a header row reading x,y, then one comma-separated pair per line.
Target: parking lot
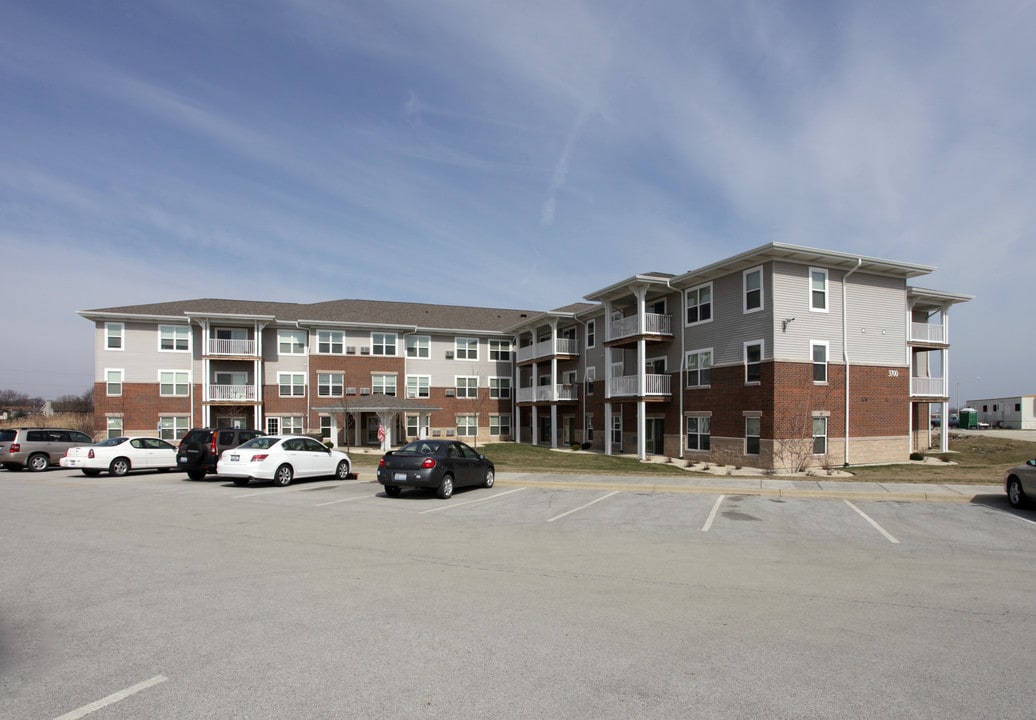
x,y
155,596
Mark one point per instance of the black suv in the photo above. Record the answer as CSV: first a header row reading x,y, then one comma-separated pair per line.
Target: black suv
x,y
200,448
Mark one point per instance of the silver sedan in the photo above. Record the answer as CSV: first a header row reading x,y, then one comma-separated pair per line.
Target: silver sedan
x,y
1020,483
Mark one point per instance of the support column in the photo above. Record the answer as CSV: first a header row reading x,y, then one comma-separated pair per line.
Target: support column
x,y
607,428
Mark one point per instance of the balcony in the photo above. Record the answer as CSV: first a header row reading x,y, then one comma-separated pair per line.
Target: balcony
x,y
231,348
548,393
929,387
657,386
928,333
658,326
546,349
231,393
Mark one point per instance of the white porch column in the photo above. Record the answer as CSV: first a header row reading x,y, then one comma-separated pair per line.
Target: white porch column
x,y
534,428
641,293
554,426
607,428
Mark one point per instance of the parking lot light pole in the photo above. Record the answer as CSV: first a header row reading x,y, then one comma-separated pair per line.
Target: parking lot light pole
x,y
958,393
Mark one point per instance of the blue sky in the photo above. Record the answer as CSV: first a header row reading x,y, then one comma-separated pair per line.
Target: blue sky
x,y
307,150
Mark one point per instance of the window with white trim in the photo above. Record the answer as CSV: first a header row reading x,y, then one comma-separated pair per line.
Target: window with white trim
x,y
113,336
273,426
617,430
114,426
383,384
418,346
499,425
466,348
818,349
753,435
413,426
589,420
113,382
173,427
500,350
818,290
499,387
330,342
291,384
591,376
754,361
383,344
291,342
699,428
753,289
467,425
327,427
699,368
174,338
699,304
173,383
820,435
292,425
467,386
591,334
330,384
418,386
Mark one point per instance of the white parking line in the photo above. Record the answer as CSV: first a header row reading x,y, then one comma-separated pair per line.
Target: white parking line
x,y
877,527
113,698
271,491
712,515
471,502
583,507
344,500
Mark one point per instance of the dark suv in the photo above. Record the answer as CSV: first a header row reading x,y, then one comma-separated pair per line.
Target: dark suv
x,y
201,447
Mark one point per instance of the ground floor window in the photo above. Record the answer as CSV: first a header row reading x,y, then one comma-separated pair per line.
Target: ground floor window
x,y
499,425
413,426
173,427
467,425
273,426
327,428
617,430
589,428
115,426
753,430
290,425
820,436
698,433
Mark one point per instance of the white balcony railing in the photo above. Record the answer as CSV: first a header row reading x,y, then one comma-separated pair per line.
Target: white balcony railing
x,y
628,386
928,332
548,393
232,392
654,324
928,387
219,346
561,346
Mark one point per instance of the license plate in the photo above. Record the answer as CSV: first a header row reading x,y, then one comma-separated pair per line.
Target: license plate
x,y
183,459
399,476
235,458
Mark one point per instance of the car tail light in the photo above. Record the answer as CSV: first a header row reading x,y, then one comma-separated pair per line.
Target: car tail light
x,y
91,454
260,457
212,445
428,464
14,447
381,463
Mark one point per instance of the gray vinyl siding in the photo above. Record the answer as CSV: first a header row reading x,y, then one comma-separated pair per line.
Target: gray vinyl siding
x,y
140,358
876,320
731,327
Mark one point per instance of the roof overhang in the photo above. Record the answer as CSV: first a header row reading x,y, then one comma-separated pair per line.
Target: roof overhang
x,y
624,287
103,315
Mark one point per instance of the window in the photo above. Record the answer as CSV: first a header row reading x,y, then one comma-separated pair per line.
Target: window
x,y
617,430
820,436
753,282
466,348
330,342
698,429
330,384
383,385
499,387
467,386
467,425
173,427
499,425
589,428
699,368
327,428
418,346
699,304
173,338
591,333
413,426
113,383
173,383
291,384
500,350
753,428
818,290
291,342
292,425
114,426
383,344
754,361
418,386
591,376
113,336
818,349
273,426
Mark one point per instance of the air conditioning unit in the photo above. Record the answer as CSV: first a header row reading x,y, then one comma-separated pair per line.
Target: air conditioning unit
x,y
350,349
365,351
436,433
365,391
350,391
449,433
449,354
450,392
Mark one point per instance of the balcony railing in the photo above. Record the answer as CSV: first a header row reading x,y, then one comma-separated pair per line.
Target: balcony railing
x,y
548,393
654,324
628,386
928,332
561,346
232,392
928,387
219,346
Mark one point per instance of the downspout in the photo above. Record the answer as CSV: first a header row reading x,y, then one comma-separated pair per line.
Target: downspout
x,y
845,355
681,376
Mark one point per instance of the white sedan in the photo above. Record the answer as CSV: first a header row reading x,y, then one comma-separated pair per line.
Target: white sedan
x,y
119,455
282,459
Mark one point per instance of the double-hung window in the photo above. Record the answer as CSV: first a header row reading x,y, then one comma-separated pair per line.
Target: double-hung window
x,y
173,427
418,346
591,377
383,344
499,425
699,368
383,384
173,383
330,342
818,290
699,304
330,384
753,434
819,435
591,333
113,382
291,342
500,350
113,335
698,432
467,386
467,425
173,338
819,353
466,348
418,386
114,426
754,361
291,384
753,289
499,387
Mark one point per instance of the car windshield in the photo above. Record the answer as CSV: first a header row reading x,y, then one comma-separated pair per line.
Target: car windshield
x,y
261,443
112,442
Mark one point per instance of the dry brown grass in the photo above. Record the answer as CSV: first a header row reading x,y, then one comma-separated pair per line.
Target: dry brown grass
x,y
83,422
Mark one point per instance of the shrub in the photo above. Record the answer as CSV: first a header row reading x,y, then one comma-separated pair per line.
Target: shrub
x,y
916,456
586,446
576,446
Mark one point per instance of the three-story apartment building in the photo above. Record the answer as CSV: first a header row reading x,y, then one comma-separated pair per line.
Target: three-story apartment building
x,y
781,357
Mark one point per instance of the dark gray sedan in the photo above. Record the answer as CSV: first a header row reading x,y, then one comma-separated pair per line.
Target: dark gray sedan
x,y
440,465
1020,483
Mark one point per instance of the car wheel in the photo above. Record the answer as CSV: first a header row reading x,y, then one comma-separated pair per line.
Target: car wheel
x,y
446,487
196,474
241,482
392,490
489,479
119,466
91,473
342,471
38,462
283,475
1015,494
